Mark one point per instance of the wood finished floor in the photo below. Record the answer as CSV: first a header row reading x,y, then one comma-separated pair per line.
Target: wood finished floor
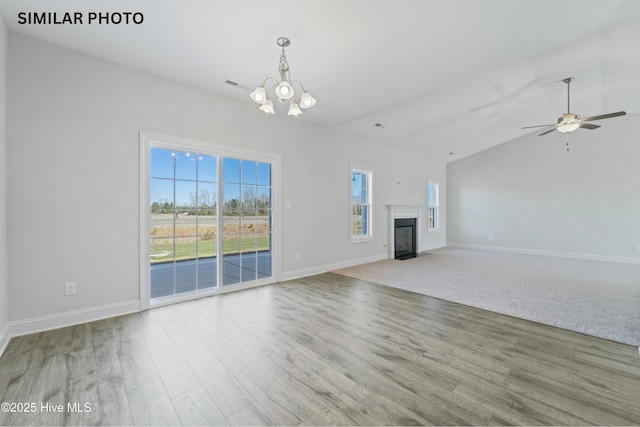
x,y
324,350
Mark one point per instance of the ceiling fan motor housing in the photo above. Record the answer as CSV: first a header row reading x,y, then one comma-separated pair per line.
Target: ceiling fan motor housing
x,y
568,117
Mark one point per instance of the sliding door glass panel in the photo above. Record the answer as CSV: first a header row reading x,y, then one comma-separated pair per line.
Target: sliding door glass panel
x,y
247,220
183,222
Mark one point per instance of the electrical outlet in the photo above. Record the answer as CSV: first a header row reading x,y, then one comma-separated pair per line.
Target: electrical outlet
x,y
637,248
297,257
70,288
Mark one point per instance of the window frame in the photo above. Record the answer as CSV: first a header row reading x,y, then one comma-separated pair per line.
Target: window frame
x,y
368,173
433,206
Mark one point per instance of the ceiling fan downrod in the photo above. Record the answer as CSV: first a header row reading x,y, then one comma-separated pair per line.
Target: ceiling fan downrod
x,y
568,81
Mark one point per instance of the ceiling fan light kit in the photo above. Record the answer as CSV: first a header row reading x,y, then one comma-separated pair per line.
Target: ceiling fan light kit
x,y
282,89
570,122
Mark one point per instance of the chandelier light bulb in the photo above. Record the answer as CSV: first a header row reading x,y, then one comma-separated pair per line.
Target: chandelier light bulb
x,y
294,109
267,107
307,101
259,95
284,91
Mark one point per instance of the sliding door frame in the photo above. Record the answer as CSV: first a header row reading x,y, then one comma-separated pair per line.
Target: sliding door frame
x,y
151,139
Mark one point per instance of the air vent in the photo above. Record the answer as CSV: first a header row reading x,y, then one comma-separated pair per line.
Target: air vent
x,y
236,84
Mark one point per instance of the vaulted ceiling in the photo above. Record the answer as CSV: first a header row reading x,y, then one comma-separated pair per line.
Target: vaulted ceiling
x,y
442,76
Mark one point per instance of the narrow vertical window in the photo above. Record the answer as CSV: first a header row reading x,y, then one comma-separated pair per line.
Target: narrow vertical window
x,y
433,206
361,205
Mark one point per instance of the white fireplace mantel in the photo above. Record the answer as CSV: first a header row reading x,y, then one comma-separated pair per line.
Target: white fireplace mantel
x,y
398,212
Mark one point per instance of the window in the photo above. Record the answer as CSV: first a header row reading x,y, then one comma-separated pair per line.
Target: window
x,y
432,204
361,205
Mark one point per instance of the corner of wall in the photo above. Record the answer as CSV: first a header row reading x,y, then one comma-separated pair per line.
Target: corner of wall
x,y
4,338
4,261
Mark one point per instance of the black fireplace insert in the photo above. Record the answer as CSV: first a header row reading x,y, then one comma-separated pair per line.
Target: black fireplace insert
x,y
405,238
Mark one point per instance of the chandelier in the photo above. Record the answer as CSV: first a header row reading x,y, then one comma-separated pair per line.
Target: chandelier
x,y
284,89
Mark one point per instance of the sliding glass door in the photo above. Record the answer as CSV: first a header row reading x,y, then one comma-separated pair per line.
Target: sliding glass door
x,y
210,221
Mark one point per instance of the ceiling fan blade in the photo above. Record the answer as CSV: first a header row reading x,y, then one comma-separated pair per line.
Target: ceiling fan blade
x,y
538,126
544,133
589,126
603,116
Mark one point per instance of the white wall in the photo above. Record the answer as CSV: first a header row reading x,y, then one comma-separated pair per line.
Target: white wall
x,y
4,266
531,194
73,177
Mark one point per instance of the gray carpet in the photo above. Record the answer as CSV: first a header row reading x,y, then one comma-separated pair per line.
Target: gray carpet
x,y
592,297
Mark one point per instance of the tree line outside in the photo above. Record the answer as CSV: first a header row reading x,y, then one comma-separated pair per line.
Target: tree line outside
x,y
251,204
247,227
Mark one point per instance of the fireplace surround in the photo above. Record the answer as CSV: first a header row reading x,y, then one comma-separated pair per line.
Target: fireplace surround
x,y
402,213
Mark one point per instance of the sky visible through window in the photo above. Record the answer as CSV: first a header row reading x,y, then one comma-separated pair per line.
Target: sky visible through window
x,y
190,167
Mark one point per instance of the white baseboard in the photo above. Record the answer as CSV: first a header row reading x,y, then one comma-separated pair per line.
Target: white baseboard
x,y
297,274
69,318
558,254
430,247
4,338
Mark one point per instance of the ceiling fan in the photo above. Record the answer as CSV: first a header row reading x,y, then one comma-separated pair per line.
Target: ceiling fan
x,y
570,121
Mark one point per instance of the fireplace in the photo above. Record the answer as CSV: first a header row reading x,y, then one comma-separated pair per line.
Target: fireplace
x,y
409,218
405,238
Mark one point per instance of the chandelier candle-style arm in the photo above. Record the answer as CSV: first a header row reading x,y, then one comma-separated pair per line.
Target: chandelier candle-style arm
x,y
283,89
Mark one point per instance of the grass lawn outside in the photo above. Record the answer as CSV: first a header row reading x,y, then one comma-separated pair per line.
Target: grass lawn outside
x,y
162,250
